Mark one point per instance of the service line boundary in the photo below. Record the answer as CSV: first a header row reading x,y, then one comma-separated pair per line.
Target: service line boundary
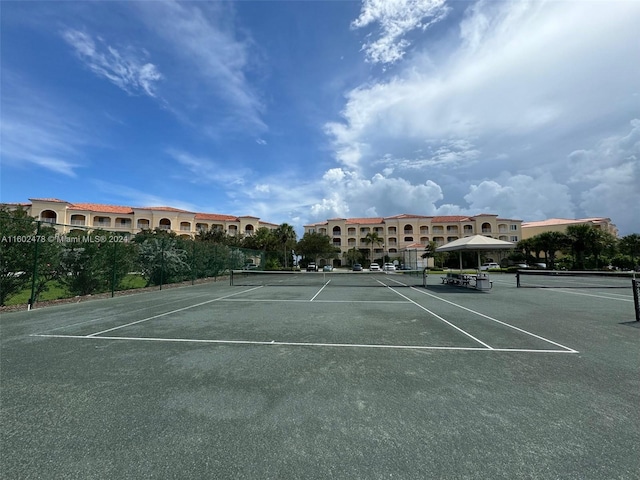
x,y
475,312
302,344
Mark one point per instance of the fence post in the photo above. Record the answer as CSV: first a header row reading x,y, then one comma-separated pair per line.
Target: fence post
x,y
161,263
32,299
636,297
113,270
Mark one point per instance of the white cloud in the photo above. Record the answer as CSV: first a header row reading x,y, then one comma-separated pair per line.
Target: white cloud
x,y
608,178
396,18
211,61
125,68
206,171
526,84
38,131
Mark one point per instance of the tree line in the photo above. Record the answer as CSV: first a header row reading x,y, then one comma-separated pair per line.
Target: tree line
x,y
581,247
34,255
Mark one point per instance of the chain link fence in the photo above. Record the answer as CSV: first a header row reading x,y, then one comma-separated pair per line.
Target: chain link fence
x,y
42,260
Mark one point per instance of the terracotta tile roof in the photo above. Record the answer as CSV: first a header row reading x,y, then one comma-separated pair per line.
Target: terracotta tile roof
x,y
563,221
317,224
215,216
100,208
451,218
407,215
165,209
365,221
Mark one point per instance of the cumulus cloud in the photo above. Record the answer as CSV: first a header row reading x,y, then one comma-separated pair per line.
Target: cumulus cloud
x,y
126,68
608,177
493,119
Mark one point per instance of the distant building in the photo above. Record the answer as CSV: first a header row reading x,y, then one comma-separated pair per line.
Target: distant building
x,y
115,218
531,229
408,235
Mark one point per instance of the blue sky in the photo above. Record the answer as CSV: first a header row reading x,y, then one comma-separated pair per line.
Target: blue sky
x,y
301,111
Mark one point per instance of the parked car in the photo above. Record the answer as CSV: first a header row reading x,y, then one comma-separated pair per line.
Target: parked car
x,y
374,267
312,267
389,267
357,267
327,268
489,266
250,266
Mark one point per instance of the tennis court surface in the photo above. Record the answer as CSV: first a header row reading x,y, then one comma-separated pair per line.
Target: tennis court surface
x,y
325,379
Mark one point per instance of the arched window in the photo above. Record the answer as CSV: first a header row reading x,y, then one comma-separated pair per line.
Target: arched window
x,y
48,216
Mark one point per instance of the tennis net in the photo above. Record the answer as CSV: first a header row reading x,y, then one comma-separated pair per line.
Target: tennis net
x,y
336,278
573,279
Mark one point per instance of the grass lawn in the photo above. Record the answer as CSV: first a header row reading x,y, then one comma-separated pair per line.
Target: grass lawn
x,y
56,290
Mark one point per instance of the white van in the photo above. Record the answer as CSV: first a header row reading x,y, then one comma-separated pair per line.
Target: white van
x,y
489,266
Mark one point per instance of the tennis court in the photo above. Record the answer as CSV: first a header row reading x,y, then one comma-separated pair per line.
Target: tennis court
x,y
325,380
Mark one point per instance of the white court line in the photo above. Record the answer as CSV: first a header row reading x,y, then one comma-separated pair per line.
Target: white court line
x,y
442,319
284,300
128,312
616,296
171,312
320,291
571,350
304,344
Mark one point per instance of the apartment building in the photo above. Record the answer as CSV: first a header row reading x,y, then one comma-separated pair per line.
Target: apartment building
x,y
115,218
402,233
531,229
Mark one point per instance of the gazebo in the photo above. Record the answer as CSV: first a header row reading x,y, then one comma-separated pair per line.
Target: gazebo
x,y
475,243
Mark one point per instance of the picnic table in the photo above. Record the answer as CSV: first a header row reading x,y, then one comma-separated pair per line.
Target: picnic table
x,y
479,281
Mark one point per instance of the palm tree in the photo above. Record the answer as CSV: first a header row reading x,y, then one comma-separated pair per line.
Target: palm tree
x,y
550,243
372,238
583,238
287,237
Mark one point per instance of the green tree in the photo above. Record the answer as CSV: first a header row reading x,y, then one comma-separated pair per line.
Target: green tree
x,y
430,252
316,245
48,266
603,246
630,245
161,261
286,236
17,246
582,238
527,246
263,239
353,255
550,243
86,263
372,238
